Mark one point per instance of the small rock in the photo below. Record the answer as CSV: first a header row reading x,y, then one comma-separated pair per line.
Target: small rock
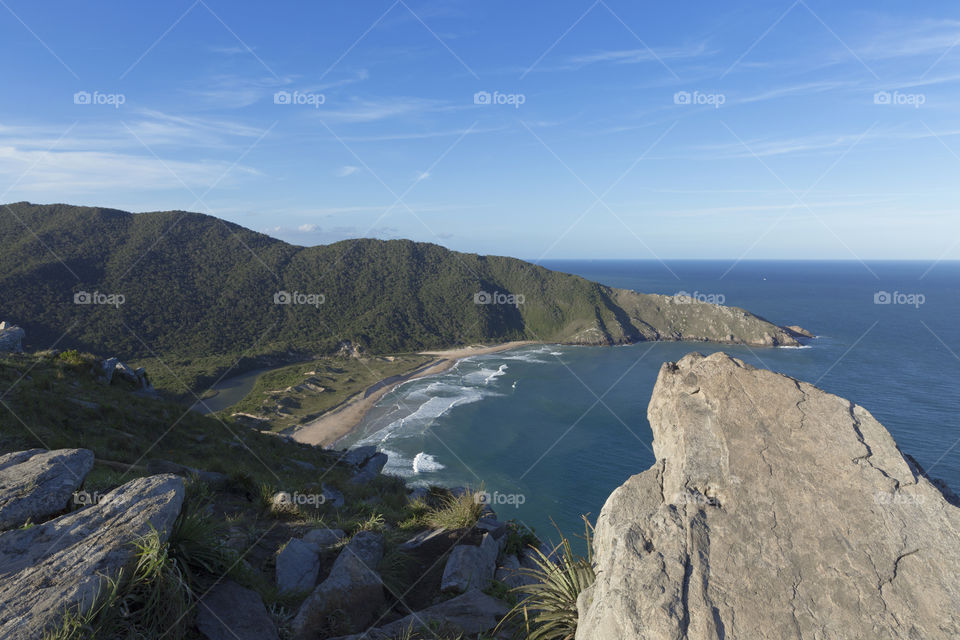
x,y
323,538
472,613
471,566
358,456
370,469
231,612
332,497
297,566
11,338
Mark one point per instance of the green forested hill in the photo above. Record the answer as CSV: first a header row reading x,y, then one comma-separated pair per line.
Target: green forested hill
x,y
196,286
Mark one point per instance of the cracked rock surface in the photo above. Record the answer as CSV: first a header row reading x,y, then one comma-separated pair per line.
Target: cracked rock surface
x,y
774,510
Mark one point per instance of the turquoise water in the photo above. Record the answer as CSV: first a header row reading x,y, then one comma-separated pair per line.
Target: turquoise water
x,y
551,431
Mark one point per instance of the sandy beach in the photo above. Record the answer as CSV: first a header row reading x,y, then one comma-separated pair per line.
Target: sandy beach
x,y
341,420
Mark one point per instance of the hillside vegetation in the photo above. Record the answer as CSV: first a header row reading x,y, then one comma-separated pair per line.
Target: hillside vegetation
x,y
200,293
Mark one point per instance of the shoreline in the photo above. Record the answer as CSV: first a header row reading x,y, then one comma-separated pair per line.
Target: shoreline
x,y
340,421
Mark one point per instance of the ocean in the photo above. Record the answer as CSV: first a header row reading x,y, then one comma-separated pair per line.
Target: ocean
x,y
549,431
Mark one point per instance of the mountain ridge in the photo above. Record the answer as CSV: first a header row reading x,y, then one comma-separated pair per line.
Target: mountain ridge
x,y
195,286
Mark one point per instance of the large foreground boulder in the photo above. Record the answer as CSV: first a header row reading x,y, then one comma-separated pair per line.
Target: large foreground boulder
x,y
37,483
471,566
775,510
62,565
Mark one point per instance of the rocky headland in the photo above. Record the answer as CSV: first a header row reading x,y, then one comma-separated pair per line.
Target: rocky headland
x,y
775,510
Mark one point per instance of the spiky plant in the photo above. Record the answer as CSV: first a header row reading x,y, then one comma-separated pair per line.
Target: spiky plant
x,y
547,609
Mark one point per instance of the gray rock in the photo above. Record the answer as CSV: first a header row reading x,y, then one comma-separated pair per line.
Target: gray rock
x,y
422,538
231,612
370,469
800,332
359,455
11,338
471,566
353,589
332,497
114,369
64,563
775,510
509,572
321,539
298,565
494,527
472,613
36,484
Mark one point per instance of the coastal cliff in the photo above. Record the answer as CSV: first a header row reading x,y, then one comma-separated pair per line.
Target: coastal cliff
x,y
774,510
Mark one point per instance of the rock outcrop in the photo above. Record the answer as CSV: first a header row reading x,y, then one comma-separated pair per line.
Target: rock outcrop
x,y
36,484
774,510
647,316
62,565
11,338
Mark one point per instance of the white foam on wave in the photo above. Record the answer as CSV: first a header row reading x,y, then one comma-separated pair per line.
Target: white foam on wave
x,y
424,463
787,346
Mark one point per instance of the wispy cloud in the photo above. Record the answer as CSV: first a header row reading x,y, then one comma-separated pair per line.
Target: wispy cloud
x,y
361,110
347,170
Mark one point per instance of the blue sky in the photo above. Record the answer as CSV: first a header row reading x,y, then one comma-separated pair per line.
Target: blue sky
x,y
805,129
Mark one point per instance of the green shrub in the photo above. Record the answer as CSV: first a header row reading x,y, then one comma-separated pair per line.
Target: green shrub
x,y
548,607
457,511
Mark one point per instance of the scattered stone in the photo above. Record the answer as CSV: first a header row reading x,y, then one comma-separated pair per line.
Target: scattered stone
x,y
231,612
63,564
36,484
470,566
353,589
472,613
298,565
774,510
322,539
